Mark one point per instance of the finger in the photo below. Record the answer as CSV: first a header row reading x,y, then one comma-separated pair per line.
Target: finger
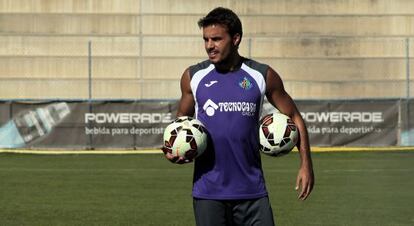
x,y
298,179
182,160
302,193
310,187
166,150
169,156
173,159
306,191
302,183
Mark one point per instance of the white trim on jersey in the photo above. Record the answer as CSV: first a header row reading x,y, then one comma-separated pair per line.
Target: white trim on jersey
x,y
195,81
257,76
260,80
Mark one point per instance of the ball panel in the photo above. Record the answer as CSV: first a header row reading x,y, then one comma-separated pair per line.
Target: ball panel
x,y
265,131
172,140
287,131
267,120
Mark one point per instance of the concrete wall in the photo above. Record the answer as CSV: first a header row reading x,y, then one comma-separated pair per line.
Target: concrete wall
x,y
333,49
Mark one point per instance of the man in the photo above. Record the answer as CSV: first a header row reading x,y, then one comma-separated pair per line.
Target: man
x,y
228,186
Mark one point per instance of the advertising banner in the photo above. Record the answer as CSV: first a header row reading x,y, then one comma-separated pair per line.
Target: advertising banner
x,y
350,123
356,123
140,124
84,125
24,124
127,124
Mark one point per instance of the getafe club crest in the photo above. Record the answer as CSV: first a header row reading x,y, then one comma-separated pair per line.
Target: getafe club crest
x,y
246,84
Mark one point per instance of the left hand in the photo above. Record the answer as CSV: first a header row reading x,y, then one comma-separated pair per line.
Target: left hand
x,y
304,182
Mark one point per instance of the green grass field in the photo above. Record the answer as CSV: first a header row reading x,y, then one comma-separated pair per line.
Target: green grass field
x,y
352,188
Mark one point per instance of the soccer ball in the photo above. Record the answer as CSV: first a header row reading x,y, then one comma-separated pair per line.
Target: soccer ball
x,y
278,134
185,137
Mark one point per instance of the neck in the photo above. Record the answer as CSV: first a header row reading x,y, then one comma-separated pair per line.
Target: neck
x,y
232,63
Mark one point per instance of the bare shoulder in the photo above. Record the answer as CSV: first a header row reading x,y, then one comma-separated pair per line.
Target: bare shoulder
x,y
186,103
274,82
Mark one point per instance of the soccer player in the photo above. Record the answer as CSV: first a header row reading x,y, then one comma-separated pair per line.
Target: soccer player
x,y
226,93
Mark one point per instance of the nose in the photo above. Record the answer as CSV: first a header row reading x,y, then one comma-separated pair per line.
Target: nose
x,y
209,44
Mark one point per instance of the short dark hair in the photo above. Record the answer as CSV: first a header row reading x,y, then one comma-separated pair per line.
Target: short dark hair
x,y
223,16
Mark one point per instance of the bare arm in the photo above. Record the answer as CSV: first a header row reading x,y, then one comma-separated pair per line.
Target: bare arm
x,y
186,104
278,97
185,108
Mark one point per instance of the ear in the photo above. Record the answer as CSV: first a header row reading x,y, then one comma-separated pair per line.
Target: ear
x,y
236,39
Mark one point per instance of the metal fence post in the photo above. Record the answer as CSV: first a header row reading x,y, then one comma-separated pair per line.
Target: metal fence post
x,y
410,136
249,41
407,56
90,139
90,71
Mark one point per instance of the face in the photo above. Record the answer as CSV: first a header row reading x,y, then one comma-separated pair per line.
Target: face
x,y
219,45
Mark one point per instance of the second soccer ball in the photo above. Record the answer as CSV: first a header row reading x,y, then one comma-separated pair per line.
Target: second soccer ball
x,y
278,134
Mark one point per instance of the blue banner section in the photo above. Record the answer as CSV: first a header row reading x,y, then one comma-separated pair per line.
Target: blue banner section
x,y
140,124
10,136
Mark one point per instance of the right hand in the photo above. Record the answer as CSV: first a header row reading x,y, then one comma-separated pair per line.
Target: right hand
x,y
174,159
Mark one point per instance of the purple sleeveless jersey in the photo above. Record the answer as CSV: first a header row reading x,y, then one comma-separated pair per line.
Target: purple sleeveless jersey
x,y
229,106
